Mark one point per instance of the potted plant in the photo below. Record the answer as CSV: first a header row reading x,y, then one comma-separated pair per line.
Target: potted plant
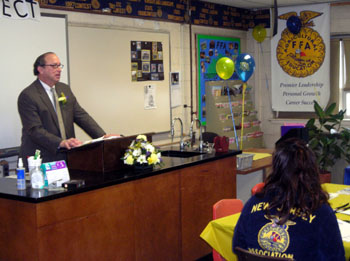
x,y
327,138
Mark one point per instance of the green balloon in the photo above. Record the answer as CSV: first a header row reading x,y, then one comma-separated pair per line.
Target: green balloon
x,y
225,68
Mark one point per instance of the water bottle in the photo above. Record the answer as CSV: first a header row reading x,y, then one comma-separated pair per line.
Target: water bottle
x,y
36,176
21,178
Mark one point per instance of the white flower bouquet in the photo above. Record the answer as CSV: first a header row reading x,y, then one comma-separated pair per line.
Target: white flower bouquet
x,y
142,152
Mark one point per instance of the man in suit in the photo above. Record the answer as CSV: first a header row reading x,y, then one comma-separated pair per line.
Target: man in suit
x,y
39,115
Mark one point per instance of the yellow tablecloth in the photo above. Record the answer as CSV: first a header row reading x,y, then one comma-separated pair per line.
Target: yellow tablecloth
x,y
259,155
218,233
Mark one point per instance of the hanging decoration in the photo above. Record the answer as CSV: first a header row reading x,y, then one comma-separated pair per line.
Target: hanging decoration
x,y
245,66
175,11
294,24
225,68
259,33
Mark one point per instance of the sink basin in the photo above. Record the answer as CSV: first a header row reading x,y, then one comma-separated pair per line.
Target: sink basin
x,y
180,154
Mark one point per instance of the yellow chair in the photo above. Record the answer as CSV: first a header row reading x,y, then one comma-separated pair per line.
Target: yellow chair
x,y
223,208
245,255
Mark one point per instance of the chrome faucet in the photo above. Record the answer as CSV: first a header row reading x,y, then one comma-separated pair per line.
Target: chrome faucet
x,y
182,144
200,131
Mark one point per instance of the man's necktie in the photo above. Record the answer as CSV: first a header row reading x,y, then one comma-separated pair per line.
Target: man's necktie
x,y
59,114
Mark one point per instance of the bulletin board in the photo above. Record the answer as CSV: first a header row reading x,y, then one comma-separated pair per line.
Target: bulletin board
x,y
209,50
146,61
100,74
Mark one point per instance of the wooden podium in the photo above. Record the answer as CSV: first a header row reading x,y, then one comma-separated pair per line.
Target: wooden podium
x,y
101,156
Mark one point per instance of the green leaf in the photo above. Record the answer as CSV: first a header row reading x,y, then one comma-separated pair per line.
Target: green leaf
x,y
318,110
330,108
313,144
310,123
328,127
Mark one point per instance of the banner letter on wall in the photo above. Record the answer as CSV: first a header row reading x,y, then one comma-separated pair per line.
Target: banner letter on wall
x,y
20,9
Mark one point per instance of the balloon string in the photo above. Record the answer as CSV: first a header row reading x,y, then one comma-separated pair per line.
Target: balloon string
x,y
233,119
263,68
262,54
242,123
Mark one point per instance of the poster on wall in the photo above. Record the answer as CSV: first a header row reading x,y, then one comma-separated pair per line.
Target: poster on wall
x,y
146,61
150,97
300,58
209,50
175,88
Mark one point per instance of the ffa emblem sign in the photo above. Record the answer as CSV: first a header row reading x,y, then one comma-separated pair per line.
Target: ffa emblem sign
x,y
301,53
274,237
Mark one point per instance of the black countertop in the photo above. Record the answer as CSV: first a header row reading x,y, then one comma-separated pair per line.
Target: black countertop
x,y
94,180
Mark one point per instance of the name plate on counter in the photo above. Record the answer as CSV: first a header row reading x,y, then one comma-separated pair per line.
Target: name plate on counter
x,y
56,171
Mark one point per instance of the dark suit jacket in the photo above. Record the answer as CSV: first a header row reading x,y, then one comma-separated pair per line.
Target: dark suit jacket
x,y
40,124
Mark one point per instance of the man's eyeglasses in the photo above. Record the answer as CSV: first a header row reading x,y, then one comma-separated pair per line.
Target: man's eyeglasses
x,y
54,66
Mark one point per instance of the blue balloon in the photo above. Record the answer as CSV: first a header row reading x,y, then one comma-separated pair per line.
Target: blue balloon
x,y
294,24
244,66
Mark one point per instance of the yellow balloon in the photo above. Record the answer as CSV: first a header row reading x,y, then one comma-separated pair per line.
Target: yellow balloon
x,y
225,68
259,33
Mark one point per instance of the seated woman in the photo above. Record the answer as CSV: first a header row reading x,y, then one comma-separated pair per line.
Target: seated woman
x,y
291,217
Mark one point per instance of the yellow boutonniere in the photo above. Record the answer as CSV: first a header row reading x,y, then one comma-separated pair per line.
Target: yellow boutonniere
x,y
62,99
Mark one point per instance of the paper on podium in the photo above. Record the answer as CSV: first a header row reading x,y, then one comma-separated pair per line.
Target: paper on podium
x,y
99,140
92,141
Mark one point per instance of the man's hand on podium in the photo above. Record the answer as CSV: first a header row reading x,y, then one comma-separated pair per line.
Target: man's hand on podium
x,y
70,143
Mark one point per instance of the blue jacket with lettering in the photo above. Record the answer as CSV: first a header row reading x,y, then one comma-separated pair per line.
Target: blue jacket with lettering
x,y
313,237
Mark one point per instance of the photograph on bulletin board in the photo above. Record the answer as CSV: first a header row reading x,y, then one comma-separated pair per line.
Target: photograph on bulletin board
x,y
146,61
209,50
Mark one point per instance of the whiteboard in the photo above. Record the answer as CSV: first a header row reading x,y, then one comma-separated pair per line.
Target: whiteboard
x,y
22,41
100,69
